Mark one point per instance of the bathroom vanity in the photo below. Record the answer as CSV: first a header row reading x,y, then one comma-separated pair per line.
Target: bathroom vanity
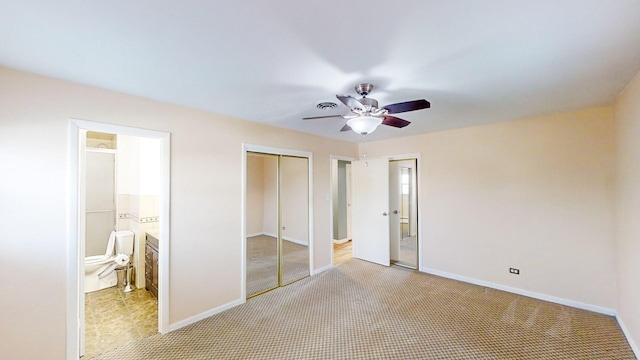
x,y
151,263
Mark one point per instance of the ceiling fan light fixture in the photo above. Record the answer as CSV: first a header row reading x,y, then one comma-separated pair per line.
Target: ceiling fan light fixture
x,y
364,125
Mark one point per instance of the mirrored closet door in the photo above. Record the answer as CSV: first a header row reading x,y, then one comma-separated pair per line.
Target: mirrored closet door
x,y
277,221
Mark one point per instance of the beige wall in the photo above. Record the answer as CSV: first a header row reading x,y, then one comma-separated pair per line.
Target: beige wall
x,y
205,239
627,115
532,194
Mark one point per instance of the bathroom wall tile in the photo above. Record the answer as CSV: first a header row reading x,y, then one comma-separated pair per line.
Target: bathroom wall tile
x,y
122,224
134,205
132,224
123,203
149,206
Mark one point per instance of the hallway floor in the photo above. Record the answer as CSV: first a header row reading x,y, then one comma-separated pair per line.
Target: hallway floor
x,y
114,318
341,252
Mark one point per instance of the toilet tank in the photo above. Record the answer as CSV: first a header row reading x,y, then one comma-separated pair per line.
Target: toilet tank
x,y
124,242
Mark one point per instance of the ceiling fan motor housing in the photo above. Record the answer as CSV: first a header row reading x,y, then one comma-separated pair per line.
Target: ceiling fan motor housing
x,y
364,89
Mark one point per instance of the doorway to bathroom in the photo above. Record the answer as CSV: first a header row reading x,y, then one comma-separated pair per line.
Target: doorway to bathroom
x,y
120,179
278,242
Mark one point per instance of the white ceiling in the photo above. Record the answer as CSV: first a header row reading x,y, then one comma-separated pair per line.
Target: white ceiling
x,y
273,61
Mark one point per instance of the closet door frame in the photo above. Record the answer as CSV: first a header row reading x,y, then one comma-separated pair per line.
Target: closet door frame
x,y
247,148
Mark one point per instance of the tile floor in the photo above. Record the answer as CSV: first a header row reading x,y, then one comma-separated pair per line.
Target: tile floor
x,y
114,318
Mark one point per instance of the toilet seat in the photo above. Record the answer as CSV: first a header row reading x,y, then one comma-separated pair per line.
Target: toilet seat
x,y
96,264
108,255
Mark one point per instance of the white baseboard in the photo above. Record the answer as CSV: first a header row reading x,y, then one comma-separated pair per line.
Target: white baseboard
x,y
297,241
254,234
204,315
341,241
535,295
322,269
626,333
301,242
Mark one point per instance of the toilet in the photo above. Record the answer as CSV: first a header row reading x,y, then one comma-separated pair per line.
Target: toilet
x,y
120,242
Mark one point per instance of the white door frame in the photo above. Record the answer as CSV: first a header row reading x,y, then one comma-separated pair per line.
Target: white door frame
x,y
275,151
331,174
348,192
75,236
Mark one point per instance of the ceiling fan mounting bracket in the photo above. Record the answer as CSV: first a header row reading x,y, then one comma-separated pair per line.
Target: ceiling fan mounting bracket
x,y
364,89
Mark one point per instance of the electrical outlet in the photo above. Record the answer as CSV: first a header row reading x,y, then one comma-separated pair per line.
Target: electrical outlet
x,y
514,271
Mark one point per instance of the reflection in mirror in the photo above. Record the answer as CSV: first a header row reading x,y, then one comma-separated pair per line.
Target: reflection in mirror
x,y
408,220
261,223
404,198
403,201
294,201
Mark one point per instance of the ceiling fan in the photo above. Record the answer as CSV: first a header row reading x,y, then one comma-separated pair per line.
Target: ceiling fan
x,y
367,116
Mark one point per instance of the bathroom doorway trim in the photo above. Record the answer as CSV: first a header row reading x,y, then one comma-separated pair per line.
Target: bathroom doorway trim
x,y
74,215
246,148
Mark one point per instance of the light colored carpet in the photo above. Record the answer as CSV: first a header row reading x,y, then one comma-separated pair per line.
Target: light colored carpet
x,y
262,271
360,310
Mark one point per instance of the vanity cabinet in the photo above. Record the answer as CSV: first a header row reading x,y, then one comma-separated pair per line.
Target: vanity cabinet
x,y
151,264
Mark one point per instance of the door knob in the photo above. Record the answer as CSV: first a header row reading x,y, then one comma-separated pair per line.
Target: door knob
x,y
395,212
384,213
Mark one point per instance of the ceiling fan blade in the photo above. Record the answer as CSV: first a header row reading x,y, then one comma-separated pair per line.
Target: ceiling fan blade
x,y
408,106
345,128
322,117
351,102
395,122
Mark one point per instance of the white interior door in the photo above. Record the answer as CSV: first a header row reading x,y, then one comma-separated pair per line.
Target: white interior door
x,y
370,195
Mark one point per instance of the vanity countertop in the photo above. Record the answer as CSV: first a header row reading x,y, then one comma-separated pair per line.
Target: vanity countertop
x,y
152,239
